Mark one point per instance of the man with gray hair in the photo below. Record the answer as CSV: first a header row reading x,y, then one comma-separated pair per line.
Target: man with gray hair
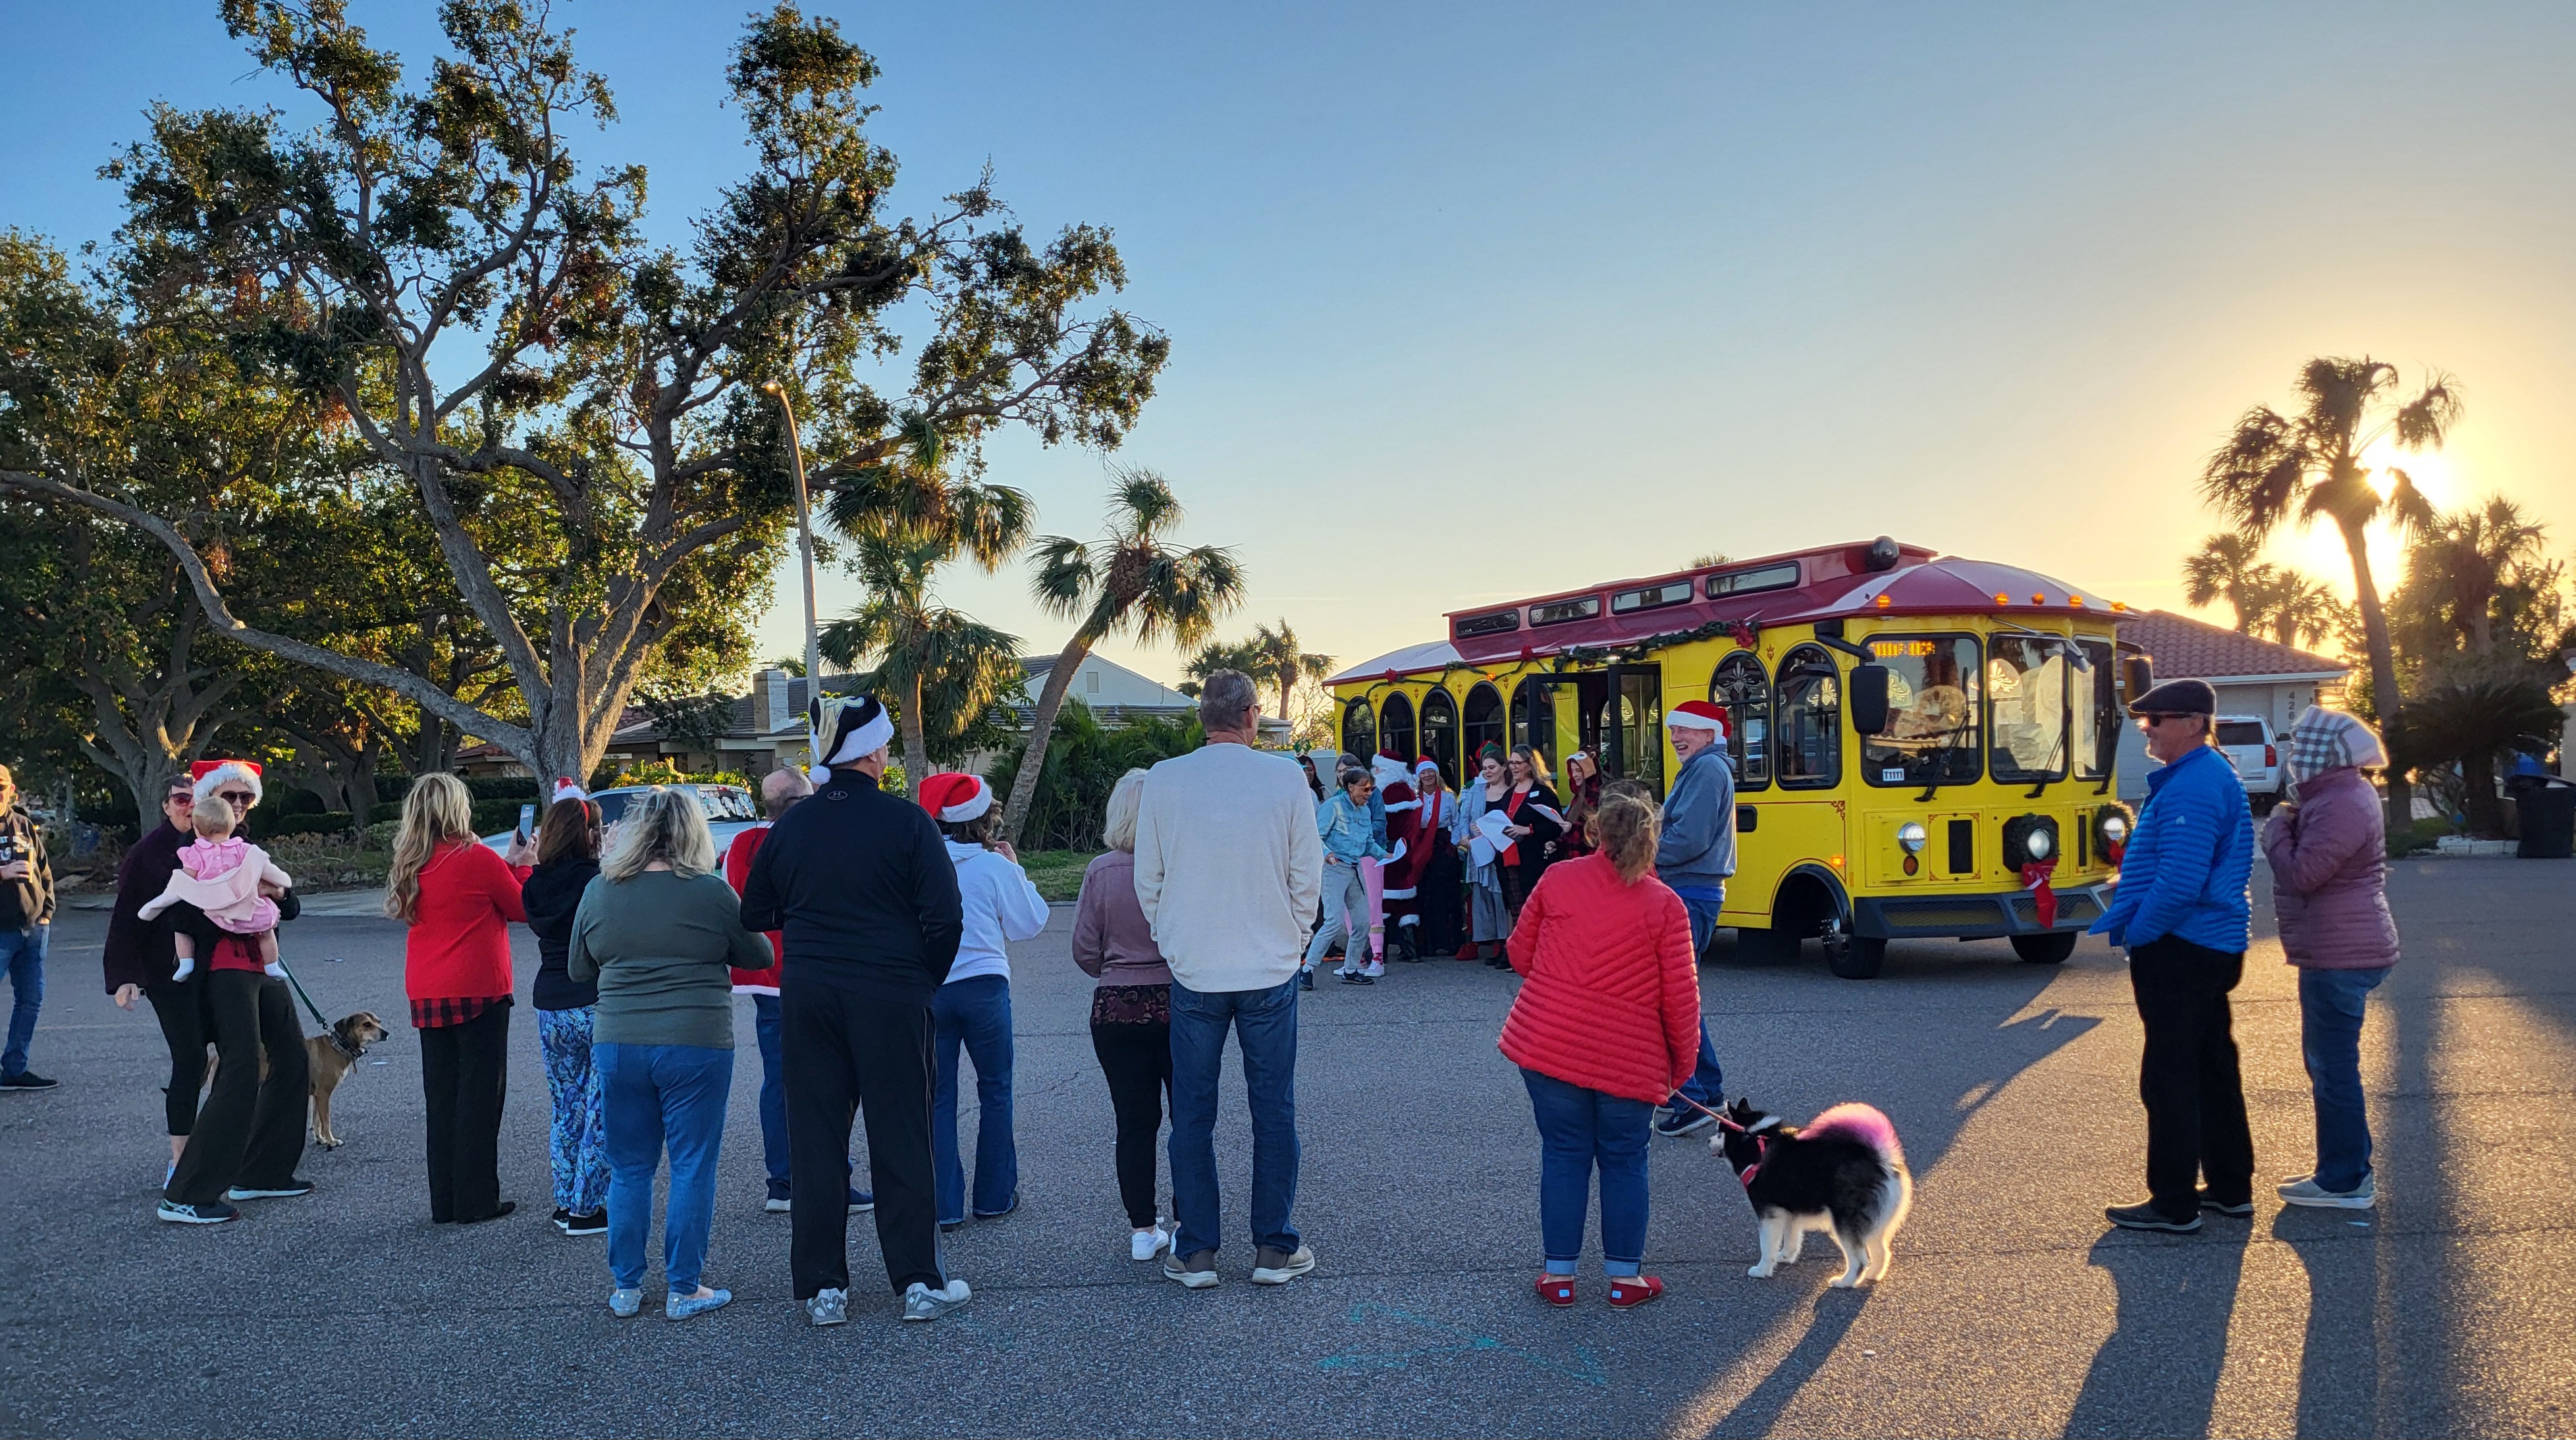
x,y
1229,866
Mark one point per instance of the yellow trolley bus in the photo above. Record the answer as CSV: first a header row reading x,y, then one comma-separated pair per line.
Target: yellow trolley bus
x,y
1923,744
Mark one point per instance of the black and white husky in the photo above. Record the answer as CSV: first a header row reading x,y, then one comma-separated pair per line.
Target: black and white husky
x,y
1842,1172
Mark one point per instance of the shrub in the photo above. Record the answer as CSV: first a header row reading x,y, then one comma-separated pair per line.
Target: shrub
x,y
494,816
1083,763
327,822
380,835
385,809
517,789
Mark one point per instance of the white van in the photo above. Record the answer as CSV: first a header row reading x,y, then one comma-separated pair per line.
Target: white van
x,y
2251,748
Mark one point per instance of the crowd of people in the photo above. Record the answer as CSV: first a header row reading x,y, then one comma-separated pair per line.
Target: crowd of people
x,y
873,936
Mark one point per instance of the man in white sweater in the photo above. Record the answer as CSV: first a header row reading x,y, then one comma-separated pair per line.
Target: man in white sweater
x,y
1229,866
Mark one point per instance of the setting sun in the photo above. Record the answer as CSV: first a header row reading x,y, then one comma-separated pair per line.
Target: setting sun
x,y
2431,470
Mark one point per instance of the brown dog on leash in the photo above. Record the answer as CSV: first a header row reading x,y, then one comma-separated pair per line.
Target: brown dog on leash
x,y
330,1058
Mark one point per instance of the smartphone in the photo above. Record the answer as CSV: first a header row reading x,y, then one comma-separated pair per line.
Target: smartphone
x,y
527,821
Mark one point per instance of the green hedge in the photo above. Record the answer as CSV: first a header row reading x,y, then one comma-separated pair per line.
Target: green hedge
x,y
494,816
517,789
328,822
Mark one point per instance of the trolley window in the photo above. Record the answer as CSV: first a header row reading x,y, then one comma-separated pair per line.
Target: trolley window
x,y
1651,597
1559,612
2097,713
1440,732
1496,622
1745,691
2026,681
1484,725
1359,730
1534,716
1932,712
1808,746
1782,576
1395,726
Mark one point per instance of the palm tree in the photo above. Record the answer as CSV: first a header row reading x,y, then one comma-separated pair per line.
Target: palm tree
x,y
1214,656
2473,717
908,515
2276,468
2295,606
1277,657
2224,567
2464,562
1128,581
943,668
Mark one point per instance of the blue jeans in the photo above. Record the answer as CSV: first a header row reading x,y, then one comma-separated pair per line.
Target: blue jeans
x,y
1266,1022
975,1011
658,1096
23,951
577,1146
1579,1129
1707,1084
773,1089
2330,1010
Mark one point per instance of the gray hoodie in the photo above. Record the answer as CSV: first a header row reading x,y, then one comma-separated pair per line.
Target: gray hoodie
x,y
1698,847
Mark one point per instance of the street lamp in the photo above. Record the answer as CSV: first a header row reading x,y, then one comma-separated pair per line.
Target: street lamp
x,y
805,547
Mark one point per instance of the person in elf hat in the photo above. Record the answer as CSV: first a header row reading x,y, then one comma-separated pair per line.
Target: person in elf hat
x,y
1694,858
973,1008
860,882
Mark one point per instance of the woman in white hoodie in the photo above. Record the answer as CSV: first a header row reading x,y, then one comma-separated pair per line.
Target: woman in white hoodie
x,y
974,1007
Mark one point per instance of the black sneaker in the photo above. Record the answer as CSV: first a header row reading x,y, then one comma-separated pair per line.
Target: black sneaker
x,y
861,1201
26,1080
594,1223
2148,1217
288,1191
2233,1209
563,1219
1305,979
1683,1121
1354,977
213,1212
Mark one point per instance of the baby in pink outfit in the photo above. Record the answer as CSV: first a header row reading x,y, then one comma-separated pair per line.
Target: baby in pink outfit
x,y
230,880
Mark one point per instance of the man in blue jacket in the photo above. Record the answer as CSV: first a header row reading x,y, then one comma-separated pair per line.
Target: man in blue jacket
x,y
1694,856
2183,916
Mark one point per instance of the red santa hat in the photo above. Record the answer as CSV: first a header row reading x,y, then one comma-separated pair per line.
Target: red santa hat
x,y
214,775
1426,763
1697,715
955,798
566,788
1389,769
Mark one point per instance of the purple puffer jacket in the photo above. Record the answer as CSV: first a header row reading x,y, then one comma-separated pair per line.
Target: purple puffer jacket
x,y
2329,855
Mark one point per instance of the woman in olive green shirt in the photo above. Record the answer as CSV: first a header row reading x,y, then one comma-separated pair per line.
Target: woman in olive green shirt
x,y
659,931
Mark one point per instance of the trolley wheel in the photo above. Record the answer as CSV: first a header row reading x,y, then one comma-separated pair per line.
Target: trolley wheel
x,y
2051,948
1777,945
1855,957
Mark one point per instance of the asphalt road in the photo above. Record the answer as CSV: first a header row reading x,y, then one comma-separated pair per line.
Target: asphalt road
x,y
2011,1310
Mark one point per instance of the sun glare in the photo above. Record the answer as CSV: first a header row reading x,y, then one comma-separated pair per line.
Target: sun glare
x,y
2318,549
2429,469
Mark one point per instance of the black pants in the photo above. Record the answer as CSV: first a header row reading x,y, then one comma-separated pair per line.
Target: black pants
x,y
181,1008
1437,901
849,1053
1137,1061
2195,1098
463,1071
251,1132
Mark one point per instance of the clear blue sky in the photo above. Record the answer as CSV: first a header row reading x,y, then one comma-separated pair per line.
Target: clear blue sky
x,y
1494,300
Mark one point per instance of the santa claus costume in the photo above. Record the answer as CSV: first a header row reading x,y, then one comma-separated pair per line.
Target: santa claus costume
x,y
1398,877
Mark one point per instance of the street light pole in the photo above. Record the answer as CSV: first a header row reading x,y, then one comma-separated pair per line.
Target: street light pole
x,y
805,548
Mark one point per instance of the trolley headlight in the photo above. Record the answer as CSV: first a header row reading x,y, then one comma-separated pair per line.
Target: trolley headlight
x,y
2038,843
1910,837
2115,829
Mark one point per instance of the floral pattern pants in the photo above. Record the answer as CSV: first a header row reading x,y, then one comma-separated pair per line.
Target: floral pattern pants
x,y
579,1151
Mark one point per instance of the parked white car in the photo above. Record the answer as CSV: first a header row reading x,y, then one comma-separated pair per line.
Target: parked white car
x,y
729,809
2251,748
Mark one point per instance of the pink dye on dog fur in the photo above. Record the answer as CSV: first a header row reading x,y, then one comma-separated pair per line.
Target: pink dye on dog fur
x,y
1854,1121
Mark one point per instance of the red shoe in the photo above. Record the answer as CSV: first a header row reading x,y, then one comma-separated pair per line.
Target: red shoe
x,y
1629,1292
1557,1290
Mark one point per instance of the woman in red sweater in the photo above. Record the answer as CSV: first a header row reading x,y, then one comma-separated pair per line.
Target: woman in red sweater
x,y
459,899
1605,1028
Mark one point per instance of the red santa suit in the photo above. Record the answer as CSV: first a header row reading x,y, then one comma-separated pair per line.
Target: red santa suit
x,y
1404,839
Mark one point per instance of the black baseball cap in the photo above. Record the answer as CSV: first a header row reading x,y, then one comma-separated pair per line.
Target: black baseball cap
x,y
2177,697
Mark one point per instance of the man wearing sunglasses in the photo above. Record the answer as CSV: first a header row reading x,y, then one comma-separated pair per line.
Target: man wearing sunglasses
x,y
26,922
2183,915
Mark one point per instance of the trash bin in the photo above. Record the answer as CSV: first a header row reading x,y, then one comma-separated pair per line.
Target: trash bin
x,y
2548,819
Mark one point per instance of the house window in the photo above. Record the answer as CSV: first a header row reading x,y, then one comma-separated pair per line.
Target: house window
x,y
1090,682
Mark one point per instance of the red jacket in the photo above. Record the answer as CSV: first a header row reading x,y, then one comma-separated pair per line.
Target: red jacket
x,y
1612,1002
737,873
459,945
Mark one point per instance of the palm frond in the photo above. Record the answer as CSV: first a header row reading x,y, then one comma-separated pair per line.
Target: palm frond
x,y
1141,505
990,522
2255,476
2427,419
1066,577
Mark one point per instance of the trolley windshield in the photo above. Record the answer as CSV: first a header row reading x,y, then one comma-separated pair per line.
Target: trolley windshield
x,y
1932,712
2027,678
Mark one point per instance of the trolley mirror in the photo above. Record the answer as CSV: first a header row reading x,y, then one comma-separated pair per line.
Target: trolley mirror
x,y
1869,698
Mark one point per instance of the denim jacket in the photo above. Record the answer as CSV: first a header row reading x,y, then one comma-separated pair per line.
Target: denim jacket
x,y
1349,835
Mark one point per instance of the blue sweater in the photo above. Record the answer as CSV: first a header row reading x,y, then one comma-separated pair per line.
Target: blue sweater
x,y
2185,871
1698,844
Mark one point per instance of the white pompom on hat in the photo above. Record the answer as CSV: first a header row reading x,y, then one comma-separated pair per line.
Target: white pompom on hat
x,y
567,789
1696,715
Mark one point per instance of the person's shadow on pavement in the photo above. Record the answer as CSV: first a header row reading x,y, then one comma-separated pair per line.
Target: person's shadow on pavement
x,y
2157,1374
1833,1313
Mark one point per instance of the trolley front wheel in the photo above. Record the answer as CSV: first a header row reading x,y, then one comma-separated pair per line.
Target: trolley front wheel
x,y
1855,957
2048,949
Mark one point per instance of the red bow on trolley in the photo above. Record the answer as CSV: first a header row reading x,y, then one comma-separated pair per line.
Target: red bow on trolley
x,y
2034,878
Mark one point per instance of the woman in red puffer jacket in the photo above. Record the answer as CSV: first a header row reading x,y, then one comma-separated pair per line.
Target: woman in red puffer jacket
x,y
1605,1028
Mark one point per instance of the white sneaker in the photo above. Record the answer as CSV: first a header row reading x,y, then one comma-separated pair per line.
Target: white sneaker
x,y
2304,1190
920,1302
1146,1244
1375,970
829,1307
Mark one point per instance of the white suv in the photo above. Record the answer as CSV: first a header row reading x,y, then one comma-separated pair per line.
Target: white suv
x,y
2250,747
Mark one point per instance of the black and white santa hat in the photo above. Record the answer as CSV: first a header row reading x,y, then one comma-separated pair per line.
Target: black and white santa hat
x,y
845,730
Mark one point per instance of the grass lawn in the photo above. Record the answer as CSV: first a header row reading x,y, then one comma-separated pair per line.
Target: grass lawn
x,y
1057,873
